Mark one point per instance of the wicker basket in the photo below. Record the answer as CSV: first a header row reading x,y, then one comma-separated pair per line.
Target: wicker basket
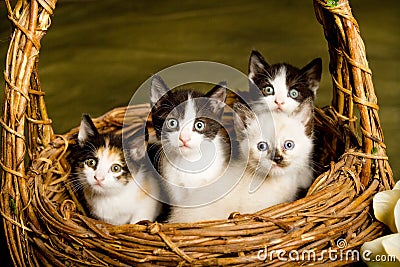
x,y
44,226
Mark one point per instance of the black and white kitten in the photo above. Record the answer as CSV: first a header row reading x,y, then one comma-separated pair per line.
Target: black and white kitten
x,y
282,87
103,175
194,146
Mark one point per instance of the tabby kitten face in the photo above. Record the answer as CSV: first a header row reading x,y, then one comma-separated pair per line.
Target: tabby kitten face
x,y
282,87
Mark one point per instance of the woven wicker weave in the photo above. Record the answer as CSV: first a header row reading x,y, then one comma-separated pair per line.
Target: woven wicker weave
x,y
44,226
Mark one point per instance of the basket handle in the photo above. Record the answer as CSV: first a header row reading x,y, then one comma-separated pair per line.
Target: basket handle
x,y
26,128
24,104
352,84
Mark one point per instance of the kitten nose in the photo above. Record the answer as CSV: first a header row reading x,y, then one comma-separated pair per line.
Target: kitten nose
x,y
279,102
184,139
278,158
101,179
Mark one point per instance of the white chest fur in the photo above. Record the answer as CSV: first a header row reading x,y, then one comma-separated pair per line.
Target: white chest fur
x,y
131,204
242,199
183,174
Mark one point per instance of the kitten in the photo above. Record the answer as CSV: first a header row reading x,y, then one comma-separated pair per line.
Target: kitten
x,y
102,174
194,149
282,87
278,152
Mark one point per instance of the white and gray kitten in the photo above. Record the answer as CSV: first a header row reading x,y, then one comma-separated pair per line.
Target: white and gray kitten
x,y
278,148
281,87
115,185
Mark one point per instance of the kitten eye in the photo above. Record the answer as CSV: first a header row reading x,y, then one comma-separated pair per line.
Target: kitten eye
x,y
91,163
199,126
293,93
172,123
262,146
288,145
268,90
115,168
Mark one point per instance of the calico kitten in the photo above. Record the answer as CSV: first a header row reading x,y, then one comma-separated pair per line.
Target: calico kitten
x,y
278,152
282,87
102,174
194,148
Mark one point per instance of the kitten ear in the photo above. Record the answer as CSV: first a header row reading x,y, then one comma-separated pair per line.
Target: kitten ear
x,y
86,129
305,114
313,71
137,143
242,114
257,64
158,89
217,96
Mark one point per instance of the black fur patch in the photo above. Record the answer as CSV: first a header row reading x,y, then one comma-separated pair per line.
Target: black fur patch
x,y
173,105
303,80
294,79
